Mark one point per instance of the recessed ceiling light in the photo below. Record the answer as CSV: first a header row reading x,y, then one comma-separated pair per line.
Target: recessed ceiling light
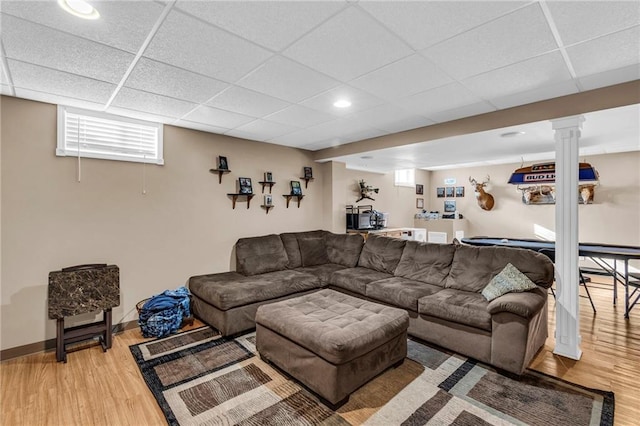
x,y
342,103
79,8
367,157
511,134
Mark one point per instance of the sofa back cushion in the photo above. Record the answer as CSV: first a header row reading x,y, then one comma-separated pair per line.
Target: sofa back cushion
x,y
381,253
291,246
313,251
426,262
344,249
474,267
257,255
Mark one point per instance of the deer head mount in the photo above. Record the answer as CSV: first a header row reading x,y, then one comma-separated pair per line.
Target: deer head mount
x,y
485,200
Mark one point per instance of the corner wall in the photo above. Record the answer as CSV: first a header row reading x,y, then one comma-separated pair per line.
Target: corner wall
x,y
183,226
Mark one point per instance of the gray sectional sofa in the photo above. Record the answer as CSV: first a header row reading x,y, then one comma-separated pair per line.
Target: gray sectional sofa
x,y
439,285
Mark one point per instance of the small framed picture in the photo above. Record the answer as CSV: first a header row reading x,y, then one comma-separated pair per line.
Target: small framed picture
x,y
222,163
449,206
268,200
419,189
296,189
245,185
459,191
268,177
440,192
308,173
450,191
419,203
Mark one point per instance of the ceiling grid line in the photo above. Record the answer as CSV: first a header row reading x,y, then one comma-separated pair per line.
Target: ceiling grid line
x,y
6,70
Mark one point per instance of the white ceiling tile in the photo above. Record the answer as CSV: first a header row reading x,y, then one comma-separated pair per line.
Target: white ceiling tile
x,y
294,139
285,79
461,112
527,75
32,77
261,130
402,78
57,99
425,23
156,77
606,53
360,100
272,24
609,78
4,79
217,117
507,40
388,117
151,103
188,43
245,101
299,116
6,90
443,98
348,45
202,127
140,115
123,26
40,45
534,95
578,21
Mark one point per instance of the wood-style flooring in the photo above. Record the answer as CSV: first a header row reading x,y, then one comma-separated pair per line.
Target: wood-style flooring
x,y
96,388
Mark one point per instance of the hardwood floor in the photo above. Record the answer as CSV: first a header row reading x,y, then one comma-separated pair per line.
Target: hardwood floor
x,y
96,388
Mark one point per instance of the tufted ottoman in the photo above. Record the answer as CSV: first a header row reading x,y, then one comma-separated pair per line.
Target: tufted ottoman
x,y
331,342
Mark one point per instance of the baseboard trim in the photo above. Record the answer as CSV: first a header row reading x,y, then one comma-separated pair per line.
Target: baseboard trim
x,y
50,344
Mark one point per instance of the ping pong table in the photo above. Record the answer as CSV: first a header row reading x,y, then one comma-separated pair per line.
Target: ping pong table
x,y
599,253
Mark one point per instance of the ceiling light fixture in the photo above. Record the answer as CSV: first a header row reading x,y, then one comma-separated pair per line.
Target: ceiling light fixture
x,y
342,103
79,8
367,157
511,134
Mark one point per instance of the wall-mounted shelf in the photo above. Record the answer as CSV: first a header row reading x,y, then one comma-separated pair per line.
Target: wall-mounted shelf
x,y
306,180
234,198
220,172
267,208
289,197
269,184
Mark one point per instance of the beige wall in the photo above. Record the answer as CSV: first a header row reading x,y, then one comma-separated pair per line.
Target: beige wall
x,y
183,226
614,217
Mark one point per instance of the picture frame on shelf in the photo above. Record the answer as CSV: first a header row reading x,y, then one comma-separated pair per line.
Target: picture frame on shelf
x,y
459,191
440,192
450,191
419,189
308,173
268,177
419,203
449,206
245,185
296,189
268,200
223,163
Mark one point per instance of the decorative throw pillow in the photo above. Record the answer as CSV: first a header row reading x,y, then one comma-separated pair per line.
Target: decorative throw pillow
x,y
313,251
509,280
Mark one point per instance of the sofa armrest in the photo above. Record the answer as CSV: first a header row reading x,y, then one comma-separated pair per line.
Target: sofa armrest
x,y
525,304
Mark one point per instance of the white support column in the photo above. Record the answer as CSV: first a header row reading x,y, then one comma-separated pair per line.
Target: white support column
x,y
567,135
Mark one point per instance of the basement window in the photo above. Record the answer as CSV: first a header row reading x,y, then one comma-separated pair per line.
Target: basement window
x,y
92,134
405,177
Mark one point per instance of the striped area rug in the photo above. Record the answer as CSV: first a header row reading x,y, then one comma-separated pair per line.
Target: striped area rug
x,y
200,378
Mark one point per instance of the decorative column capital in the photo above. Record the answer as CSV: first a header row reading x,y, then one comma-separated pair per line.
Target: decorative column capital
x,y
572,122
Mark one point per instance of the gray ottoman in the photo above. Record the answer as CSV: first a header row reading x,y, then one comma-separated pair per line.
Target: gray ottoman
x,y
331,342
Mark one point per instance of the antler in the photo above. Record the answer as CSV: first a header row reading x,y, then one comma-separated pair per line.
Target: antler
x,y
487,179
473,181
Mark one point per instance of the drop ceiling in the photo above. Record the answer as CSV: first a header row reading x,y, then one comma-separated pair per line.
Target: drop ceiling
x,y
271,71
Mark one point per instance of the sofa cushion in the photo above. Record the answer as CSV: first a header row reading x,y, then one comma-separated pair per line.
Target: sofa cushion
x,y
381,253
257,255
344,249
509,280
356,279
473,267
401,292
323,272
313,251
230,289
457,306
426,262
291,246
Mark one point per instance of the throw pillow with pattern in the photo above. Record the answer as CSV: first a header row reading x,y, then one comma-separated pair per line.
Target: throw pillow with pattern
x,y
509,280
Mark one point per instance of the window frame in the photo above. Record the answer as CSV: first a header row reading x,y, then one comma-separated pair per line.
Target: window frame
x,y
405,183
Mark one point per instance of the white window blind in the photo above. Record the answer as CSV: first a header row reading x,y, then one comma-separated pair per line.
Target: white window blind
x,y
98,135
405,177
